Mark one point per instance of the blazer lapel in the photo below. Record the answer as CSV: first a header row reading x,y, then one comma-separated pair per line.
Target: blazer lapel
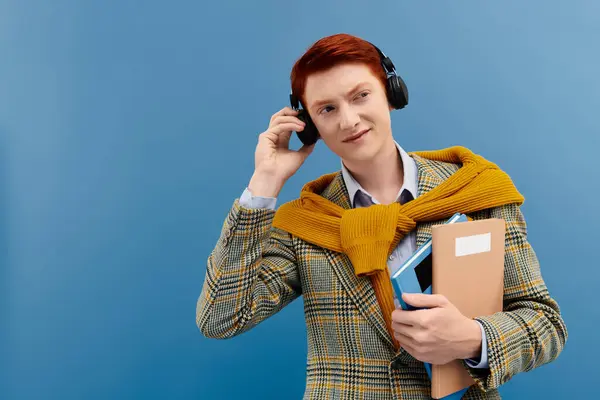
x,y
430,175
359,289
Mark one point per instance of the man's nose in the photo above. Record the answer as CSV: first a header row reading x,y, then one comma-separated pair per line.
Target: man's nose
x,y
349,118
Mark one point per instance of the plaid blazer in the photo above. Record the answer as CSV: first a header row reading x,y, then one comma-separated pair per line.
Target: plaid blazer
x,y
255,270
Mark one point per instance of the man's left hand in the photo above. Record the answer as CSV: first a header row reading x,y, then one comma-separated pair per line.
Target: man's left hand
x,y
437,334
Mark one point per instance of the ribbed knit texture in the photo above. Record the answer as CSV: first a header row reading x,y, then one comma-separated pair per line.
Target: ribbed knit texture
x,y
368,235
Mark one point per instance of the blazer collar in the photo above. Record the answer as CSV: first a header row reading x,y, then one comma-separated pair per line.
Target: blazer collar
x,y
430,174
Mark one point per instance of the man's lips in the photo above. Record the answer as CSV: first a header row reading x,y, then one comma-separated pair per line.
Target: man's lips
x,y
356,136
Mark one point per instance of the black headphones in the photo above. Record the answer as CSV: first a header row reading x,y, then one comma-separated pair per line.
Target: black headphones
x,y
397,95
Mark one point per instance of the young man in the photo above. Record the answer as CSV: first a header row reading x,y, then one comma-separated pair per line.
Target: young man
x,y
337,245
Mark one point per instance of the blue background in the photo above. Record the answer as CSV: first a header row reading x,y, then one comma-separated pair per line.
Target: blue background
x,y
127,129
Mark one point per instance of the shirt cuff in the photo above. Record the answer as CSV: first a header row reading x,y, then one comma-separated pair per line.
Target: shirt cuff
x,y
482,362
247,200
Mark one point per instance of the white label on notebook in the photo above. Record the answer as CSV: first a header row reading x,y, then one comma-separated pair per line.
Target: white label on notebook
x,y
475,244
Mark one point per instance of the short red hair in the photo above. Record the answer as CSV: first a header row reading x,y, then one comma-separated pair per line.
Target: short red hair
x,y
330,51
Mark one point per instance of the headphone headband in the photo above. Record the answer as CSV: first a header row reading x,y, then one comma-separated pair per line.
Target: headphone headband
x,y
386,62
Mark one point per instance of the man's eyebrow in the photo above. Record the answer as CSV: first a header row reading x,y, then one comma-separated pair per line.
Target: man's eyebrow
x,y
325,101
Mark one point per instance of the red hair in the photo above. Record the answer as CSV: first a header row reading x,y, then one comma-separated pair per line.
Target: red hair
x,y
331,51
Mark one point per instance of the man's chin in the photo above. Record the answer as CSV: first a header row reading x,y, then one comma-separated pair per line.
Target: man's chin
x,y
360,155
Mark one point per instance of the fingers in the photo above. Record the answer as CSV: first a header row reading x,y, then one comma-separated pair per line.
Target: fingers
x,y
280,119
413,318
421,300
287,127
410,347
404,340
408,330
404,317
284,139
401,335
283,126
285,120
410,336
286,111
280,129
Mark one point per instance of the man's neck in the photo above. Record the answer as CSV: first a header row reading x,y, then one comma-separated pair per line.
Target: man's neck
x,y
382,177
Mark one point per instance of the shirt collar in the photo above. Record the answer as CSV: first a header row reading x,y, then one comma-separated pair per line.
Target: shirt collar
x,y
409,182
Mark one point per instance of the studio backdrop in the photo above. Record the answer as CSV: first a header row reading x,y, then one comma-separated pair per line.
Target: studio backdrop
x,y
128,128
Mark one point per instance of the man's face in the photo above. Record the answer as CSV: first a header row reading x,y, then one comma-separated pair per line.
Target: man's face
x,y
349,107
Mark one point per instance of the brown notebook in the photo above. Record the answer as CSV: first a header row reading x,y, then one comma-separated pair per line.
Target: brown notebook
x,y
467,268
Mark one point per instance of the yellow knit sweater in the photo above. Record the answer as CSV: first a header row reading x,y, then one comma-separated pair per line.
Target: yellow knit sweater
x,y
369,235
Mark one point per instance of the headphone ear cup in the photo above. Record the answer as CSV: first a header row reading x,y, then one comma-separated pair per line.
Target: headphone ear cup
x,y
397,92
309,135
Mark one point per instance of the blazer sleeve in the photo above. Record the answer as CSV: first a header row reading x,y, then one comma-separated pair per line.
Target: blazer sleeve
x,y
530,330
251,274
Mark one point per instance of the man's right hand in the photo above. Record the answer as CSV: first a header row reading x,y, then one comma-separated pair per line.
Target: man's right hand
x,y
274,162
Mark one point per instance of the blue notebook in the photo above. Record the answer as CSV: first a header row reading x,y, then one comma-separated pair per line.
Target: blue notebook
x,y
415,276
